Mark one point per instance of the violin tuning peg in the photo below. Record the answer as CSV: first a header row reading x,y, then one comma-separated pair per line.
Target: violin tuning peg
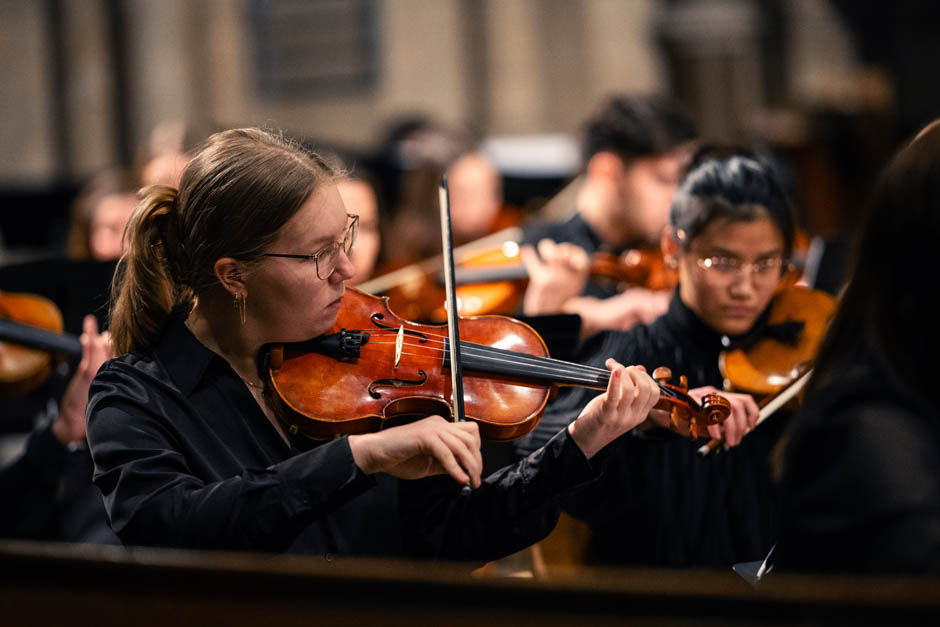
x,y
674,419
684,383
662,374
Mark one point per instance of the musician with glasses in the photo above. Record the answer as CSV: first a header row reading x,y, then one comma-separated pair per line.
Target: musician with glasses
x,y
730,235
253,248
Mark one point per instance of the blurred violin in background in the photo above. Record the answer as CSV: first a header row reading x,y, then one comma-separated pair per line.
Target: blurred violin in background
x,y
775,367
772,362
493,281
31,342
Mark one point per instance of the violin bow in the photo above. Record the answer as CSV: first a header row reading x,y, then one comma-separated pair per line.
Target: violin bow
x,y
768,407
450,287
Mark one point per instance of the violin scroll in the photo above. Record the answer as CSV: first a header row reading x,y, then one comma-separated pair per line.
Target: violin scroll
x,y
713,410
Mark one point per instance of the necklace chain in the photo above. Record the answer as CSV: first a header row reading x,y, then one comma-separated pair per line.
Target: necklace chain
x,y
254,385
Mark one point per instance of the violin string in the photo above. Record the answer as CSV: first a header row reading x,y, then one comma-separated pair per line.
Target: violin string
x,y
543,365
520,358
665,390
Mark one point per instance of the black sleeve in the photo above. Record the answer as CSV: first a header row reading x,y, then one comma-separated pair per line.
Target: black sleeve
x,y
152,497
861,492
515,507
29,487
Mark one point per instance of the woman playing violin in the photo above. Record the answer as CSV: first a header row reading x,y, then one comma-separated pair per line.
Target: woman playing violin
x,y
730,235
253,248
860,490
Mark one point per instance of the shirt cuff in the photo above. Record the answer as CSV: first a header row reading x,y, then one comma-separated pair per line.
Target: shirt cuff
x,y
575,468
325,477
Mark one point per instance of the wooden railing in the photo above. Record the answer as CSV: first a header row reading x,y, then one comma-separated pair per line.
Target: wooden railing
x,y
53,584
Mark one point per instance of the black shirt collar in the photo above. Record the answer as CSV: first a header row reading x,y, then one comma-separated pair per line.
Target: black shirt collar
x,y
688,325
184,358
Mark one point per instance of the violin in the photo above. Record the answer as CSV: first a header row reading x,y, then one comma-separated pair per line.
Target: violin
x,y
31,329
772,370
770,364
374,369
493,281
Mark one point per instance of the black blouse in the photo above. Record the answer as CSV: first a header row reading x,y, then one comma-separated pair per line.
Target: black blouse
x,y
661,503
185,457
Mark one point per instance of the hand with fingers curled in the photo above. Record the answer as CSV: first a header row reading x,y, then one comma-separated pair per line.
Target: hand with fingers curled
x,y
631,394
431,446
743,417
557,272
69,425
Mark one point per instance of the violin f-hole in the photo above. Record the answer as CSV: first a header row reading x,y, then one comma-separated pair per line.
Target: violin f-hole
x,y
396,383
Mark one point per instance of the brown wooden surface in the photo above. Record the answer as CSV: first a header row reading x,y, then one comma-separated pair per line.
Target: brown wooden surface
x,y
46,584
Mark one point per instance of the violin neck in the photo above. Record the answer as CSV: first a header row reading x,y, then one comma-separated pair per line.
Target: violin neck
x,y
545,370
33,337
523,366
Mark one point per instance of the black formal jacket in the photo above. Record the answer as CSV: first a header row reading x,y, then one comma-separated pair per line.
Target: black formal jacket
x,y
661,503
861,484
185,457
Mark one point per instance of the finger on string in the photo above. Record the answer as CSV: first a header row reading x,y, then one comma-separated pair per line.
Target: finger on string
x,y
614,386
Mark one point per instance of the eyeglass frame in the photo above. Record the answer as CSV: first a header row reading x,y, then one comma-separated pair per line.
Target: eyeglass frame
x,y
349,232
781,264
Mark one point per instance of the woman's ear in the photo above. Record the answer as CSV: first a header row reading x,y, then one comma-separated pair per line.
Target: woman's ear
x,y
229,273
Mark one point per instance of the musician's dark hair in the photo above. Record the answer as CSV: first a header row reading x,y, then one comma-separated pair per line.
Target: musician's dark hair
x,y
734,183
633,126
239,189
885,310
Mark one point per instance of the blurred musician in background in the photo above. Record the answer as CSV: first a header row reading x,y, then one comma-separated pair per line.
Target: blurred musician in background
x,y
634,148
662,504
46,488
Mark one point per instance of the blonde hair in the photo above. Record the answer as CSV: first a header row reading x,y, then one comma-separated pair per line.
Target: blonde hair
x,y
238,190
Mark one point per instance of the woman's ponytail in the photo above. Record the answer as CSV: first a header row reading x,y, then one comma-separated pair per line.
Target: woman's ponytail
x,y
146,283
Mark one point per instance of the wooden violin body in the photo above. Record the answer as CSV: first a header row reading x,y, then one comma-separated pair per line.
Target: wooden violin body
x,y
31,327
373,368
769,365
326,392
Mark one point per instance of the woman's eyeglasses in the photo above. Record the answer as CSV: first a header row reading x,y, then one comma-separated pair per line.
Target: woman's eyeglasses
x,y
326,258
768,267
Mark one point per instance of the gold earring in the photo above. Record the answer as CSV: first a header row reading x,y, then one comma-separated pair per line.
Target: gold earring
x,y
240,300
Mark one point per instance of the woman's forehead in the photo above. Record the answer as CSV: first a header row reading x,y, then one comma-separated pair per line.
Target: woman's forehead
x,y
757,235
322,217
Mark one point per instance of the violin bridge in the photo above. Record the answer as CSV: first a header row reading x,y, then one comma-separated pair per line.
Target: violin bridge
x,y
399,341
